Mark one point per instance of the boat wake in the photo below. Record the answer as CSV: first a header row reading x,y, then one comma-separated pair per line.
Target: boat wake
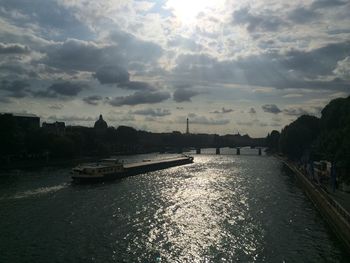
x,y
39,191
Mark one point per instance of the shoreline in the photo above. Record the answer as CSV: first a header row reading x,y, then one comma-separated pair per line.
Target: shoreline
x,y
336,216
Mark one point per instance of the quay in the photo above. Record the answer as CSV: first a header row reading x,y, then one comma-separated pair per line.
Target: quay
x,y
337,217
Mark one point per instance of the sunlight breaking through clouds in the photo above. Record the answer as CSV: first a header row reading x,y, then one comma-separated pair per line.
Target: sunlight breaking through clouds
x,y
95,56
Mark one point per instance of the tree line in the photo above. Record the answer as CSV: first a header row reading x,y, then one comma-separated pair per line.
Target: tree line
x,y
309,138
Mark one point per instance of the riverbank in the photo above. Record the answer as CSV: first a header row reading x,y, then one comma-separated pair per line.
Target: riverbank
x,y
337,217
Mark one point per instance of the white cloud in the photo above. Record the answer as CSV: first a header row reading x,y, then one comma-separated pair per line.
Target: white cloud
x,y
237,54
343,69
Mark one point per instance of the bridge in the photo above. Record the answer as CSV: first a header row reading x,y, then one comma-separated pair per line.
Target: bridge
x,y
238,150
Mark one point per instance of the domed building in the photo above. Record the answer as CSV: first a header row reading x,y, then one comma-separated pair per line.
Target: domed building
x,y
100,124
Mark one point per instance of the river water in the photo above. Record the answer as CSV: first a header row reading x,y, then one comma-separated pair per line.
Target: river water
x,y
222,208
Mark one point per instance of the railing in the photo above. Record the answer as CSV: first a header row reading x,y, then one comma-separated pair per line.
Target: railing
x,y
344,213
331,202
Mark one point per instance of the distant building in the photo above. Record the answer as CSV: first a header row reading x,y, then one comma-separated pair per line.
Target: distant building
x,y
100,124
58,127
24,121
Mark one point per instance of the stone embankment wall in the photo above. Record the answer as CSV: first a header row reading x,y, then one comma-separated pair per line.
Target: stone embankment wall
x,y
335,215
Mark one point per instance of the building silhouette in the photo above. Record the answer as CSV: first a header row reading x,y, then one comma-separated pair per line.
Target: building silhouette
x,y
100,124
23,121
58,127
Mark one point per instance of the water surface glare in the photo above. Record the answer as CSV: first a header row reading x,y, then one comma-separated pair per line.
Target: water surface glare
x,y
222,208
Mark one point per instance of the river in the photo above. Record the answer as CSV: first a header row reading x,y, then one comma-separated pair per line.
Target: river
x,y
222,208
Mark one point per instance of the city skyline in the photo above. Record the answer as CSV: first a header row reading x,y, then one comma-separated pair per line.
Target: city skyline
x,y
228,66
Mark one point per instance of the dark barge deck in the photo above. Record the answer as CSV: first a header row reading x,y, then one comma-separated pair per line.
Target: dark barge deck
x,y
137,168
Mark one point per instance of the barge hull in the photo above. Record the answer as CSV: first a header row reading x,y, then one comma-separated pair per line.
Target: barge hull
x,y
137,168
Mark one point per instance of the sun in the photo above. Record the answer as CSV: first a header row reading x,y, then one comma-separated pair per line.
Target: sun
x,y
187,11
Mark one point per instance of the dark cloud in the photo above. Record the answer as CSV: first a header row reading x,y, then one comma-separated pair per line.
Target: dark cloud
x,y
255,22
184,94
44,94
16,88
267,21
67,88
271,108
319,61
76,54
111,75
13,49
303,15
135,49
327,3
152,112
137,85
140,98
60,89
222,111
120,76
292,69
93,100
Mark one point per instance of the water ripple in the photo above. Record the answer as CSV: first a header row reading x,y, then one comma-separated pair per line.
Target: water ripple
x,y
219,209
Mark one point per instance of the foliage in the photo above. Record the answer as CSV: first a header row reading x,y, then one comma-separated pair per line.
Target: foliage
x,y
272,141
334,141
326,138
298,136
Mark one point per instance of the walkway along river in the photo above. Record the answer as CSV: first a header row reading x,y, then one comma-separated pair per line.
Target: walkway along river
x,y
222,208
334,213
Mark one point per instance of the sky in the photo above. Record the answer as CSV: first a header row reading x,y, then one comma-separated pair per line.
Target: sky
x,y
229,66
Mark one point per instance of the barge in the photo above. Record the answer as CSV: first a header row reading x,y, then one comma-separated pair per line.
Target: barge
x,y
111,169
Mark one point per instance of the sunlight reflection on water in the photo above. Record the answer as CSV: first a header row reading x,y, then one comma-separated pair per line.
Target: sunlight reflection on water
x,y
222,208
198,210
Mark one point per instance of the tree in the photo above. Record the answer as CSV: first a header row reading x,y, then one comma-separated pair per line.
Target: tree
x,y
272,141
333,143
299,136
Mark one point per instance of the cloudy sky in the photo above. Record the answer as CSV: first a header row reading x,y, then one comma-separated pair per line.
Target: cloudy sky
x,y
229,66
